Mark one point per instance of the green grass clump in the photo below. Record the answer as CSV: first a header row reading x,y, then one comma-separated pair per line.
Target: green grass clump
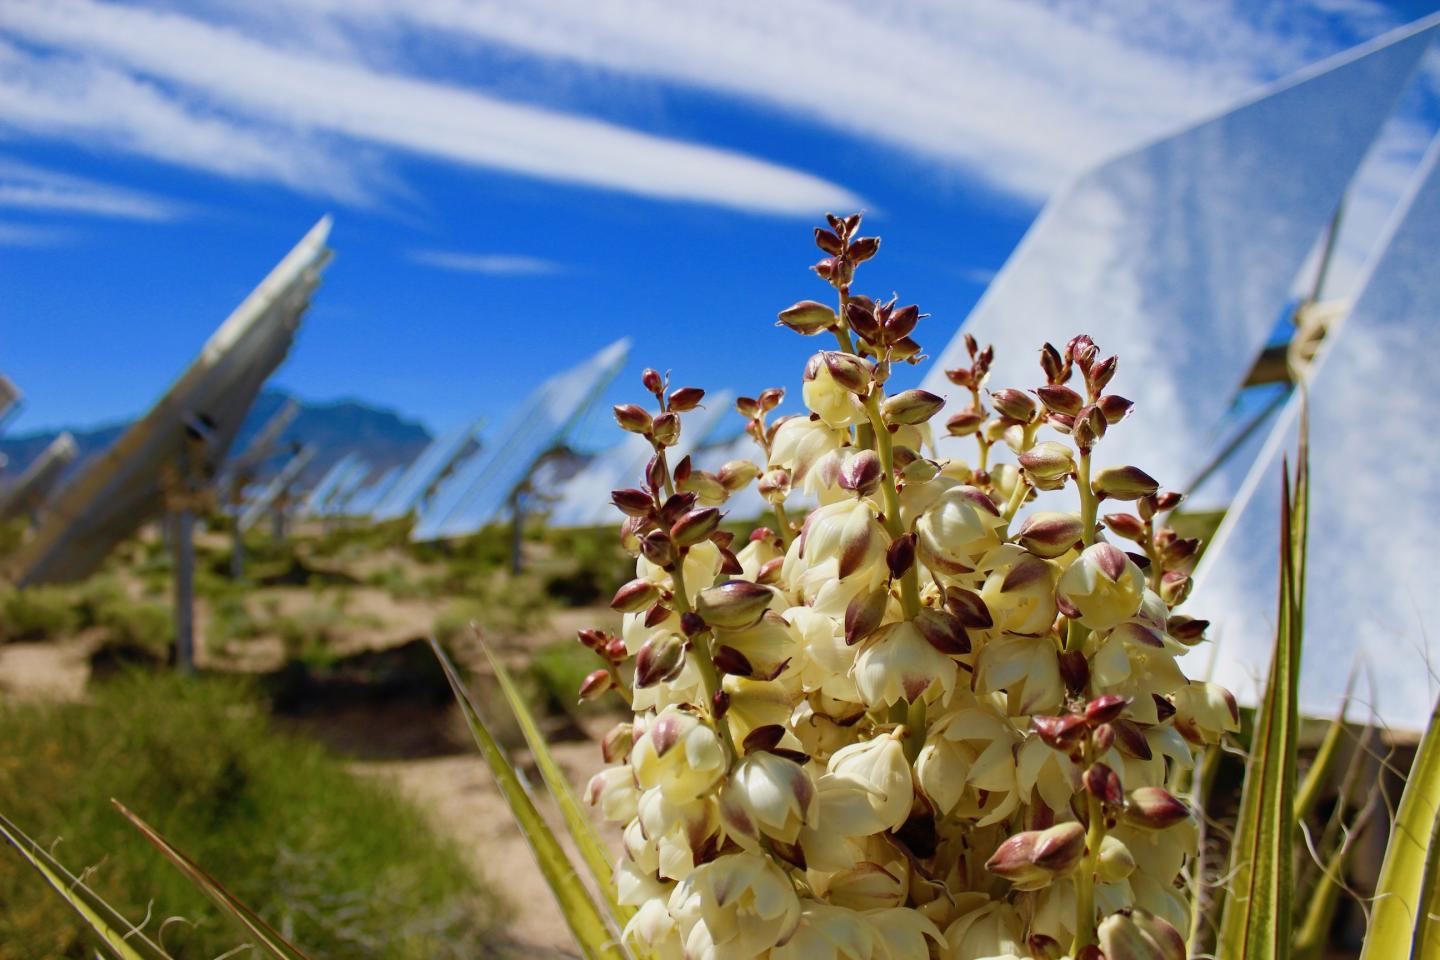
x,y
37,613
339,864
559,668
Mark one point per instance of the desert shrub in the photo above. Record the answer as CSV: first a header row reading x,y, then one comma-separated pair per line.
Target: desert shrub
x,y
558,669
38,613
498,604
340,863
593,566
137,624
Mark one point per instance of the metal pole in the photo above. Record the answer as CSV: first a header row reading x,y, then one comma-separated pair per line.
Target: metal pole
x,y
182,546
517,534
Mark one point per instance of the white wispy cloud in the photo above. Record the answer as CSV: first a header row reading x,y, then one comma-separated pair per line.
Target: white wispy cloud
x,y
1018,94
225,78
29,235
26,187
490,264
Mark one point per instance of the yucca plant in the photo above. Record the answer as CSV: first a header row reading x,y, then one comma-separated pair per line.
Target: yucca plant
x,y
932,719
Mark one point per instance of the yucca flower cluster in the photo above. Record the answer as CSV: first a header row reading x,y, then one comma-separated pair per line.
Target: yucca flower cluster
x,y
940,717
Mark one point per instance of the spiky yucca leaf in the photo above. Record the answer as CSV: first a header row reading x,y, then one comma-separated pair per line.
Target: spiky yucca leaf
x,y
120,937
1400,922
586,922
261,934
1256,923
582,830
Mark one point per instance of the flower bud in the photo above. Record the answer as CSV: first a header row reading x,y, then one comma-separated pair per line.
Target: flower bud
x,y
863,248
686,398
1204,712
828,242
660,659
902,321
1033,858
860,317
632,418
695,526
1103,585
737,474
864,614
775,485
1104,783
1048,461
1015,404
632,502
1103,737
1104,709
968,608
656,547
1100,374
1175,587
1135,934
964,423
732,662
1044,947
1187,630
1114,408
861,473
1060,733
635,595
848,371
807,317
733,605
1081,350
900,555
596,683
617,742
1060,399
1051,535
1155,808
652,380
1074,670
1115,862
911,407
1125,525
704,485
1123,483
666,429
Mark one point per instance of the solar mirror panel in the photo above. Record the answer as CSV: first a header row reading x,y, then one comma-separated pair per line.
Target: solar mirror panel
x,y
329,484
1180,255
29,491
276,489
9,398
117,491
1373,523
477,494
365,499
339,502
417,480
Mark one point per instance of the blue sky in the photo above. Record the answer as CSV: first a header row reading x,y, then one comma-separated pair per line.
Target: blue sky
x,y
516,185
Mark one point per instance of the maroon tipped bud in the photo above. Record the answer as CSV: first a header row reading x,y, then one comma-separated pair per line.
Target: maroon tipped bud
x,y
655,472
1103,737
770,398
666,429
1130,739
592,639
900,555
860,317
1082,351
1099,375
964,423
943,631
661,658
769,572
902,321
1043,947
1175,587
653,381
1125,525
961,376
1051,535
730,564
828,242
656,547
864,613
695,526
632,502
632,417
719,704
968,608
863,248
764,738
1155,808
1074,670
862,473
728,660
912,407
1123,483
1187,630
1015,404
1114,408
1061,399
1057,369
807,317
1105,708
1104,783
686,398
617,742
656,615
848,370
1060,733
747,407
634,596
595,684
733,605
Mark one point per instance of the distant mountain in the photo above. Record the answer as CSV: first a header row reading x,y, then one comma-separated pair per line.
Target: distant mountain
x,y
382,438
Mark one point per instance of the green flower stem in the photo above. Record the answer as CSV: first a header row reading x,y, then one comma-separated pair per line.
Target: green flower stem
x,y
783,522
704,659
1085,878
1017,497
1089,503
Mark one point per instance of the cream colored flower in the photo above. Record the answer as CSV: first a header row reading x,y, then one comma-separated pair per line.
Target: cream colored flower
x,y
614,791
678,753
702,566
1103,585
829,933
768,647
736,906
1204,712
867,788
1019,590
967,766
1026,668
959,528
900,664
828,400
767,794
991,931
678,832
